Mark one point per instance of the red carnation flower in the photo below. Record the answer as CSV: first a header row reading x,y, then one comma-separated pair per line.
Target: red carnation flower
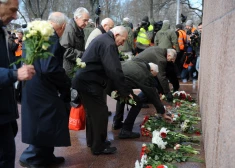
x,y
163,134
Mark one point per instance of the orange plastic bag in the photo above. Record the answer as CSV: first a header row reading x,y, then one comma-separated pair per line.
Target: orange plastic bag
x,y
77,118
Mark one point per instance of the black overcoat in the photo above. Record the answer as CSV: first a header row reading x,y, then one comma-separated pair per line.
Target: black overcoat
x,y
44,117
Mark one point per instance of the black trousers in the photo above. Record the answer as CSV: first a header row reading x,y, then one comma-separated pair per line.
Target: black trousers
x,y
37,155
133,113
96,119
7,146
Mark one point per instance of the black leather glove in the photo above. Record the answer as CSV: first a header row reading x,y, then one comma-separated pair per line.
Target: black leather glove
x,y
169,97
133,52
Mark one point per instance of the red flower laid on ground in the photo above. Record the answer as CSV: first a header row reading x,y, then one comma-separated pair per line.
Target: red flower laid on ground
x,y
148,167
160,166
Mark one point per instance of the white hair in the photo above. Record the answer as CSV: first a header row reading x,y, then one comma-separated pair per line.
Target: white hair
x,y
58,18
171,52
119,29
79,11
126,19
153,67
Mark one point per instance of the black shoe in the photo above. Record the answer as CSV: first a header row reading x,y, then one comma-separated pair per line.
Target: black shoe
x,y
145,106
24,164
108,150
107,143
117,125
124,134
57,160
109,113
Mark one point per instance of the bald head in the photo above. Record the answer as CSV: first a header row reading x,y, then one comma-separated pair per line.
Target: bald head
x,y
120,34
58,20
107,24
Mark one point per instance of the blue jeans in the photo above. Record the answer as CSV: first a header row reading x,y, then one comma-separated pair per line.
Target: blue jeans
x,y
189,72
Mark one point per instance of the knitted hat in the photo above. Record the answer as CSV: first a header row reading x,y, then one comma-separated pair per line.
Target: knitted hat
x,y
179,26
189,23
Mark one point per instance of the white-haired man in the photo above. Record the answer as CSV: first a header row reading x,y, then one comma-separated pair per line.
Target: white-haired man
x,y
8,105
139,75
161,57
102,64
106,25
73,39
52,128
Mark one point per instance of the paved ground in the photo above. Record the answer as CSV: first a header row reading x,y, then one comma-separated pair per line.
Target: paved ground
x,y
79,155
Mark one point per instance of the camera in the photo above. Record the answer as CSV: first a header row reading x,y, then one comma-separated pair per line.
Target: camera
x,y
13,36
194,35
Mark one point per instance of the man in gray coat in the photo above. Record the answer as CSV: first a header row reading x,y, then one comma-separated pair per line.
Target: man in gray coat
x,y
73,39
159,56
106,25
138,75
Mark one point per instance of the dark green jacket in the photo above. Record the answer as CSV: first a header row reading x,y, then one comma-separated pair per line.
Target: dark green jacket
x,y
138,76
166,37
157,56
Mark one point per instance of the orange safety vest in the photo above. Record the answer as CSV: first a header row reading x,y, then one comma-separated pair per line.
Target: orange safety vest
x,y
18,52
182,39
186,65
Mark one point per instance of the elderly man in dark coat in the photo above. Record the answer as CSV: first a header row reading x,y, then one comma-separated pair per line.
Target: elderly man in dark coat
x,y
139,75
8,75
102,64
159,56
44,117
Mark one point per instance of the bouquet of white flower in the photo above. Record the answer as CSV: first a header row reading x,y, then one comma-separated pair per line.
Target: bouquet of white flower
x,y
36,41
127,100
79,64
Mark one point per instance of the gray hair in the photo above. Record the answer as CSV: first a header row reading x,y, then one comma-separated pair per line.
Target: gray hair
x,y
3,1
153,67
58,18
120,30
79,11
172,52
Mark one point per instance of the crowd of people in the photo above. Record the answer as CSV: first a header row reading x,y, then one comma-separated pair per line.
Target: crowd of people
x,y
157,56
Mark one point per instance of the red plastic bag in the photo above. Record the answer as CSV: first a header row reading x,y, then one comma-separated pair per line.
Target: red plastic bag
x,y
77,118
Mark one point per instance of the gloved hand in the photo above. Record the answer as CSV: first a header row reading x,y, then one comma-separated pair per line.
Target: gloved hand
x,y
133,52
169,97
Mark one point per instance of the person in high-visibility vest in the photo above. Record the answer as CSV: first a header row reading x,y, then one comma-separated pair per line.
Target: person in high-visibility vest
x,y
188,71
144,34
182,41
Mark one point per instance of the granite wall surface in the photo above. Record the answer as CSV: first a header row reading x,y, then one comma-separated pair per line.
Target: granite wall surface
x,y
217,83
